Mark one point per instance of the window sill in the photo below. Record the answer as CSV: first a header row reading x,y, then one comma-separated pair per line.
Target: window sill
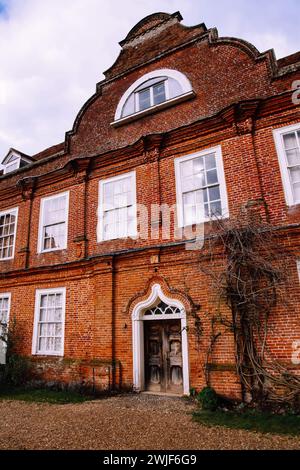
x,y
153,109
51,251
46,354
127,237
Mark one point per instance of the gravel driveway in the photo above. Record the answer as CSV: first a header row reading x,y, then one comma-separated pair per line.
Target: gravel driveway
x,y
123,422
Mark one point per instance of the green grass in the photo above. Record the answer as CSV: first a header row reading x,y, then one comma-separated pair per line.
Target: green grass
x,y
251,421
43,396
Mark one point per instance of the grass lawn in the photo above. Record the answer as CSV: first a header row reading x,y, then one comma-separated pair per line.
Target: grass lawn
x,y
251,421
43,396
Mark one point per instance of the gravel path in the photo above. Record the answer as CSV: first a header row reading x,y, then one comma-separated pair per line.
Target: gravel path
x,y
123,422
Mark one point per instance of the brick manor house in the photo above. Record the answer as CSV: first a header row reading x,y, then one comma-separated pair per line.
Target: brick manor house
x,y
182,116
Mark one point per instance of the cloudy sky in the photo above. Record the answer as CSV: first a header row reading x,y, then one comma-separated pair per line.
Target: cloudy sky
x,y
52,52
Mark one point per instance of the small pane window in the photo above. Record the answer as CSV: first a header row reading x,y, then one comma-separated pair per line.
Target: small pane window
x,y
8,221
12,167
49,320
201,192
151,96
117,207
292,151
54,223
159,88
159,93
144,99
288,148
4,316
200,185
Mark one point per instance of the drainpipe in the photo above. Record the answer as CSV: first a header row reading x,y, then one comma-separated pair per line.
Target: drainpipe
x,y
113,324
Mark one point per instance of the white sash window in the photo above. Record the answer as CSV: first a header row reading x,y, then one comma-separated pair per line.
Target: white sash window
x,y
200,187
4,317
54,223
49,322
8,228
287,140
117,207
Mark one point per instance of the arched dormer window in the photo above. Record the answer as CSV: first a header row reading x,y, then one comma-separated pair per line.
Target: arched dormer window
x,y
151,92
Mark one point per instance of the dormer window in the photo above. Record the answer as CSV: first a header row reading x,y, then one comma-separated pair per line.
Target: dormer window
x,y
15,160
152,92
149,94
12,164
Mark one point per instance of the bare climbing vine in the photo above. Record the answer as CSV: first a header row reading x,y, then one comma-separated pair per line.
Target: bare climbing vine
x,y
249,270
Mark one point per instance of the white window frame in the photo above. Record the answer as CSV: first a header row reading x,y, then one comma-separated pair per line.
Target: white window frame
x,y
221,179
100,225
42,206
187,92
6,295
9,211
137,109
298,268
7,165
285,177
38,296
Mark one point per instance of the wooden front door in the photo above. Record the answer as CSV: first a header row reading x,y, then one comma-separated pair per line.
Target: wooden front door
x,y
163,356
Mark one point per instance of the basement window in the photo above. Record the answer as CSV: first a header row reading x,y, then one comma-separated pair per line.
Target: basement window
x,y
49,321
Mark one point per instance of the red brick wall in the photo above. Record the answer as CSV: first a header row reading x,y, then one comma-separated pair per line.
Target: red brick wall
x,y
99,286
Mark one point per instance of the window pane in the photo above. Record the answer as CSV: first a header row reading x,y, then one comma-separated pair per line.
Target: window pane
x,y
54,236
186,168
58,300
210,162
175,88
109,195
198,165
212,177
215,208
42,344
296,191
159,94
43,314
128,107
214,193
51,300
144,99
50,314
290,141
293,157
295,174
12,167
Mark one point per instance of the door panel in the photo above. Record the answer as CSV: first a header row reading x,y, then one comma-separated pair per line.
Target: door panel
x,y
163,356
153,356
174,356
